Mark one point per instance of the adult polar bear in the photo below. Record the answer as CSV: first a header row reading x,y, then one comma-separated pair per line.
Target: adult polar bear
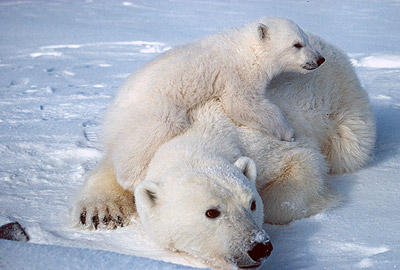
x,y
332,118
151,107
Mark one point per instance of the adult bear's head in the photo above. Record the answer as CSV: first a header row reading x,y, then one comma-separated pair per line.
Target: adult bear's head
x,y
211,211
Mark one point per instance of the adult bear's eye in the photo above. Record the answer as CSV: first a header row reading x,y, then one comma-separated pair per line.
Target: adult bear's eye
x,y
298,45
253,205
212,213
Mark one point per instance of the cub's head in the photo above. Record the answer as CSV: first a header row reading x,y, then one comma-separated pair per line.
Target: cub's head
x,y
284,43
211,211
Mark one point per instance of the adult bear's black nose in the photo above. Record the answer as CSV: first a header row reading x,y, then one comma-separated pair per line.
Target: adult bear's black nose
x,y
320,61
260,251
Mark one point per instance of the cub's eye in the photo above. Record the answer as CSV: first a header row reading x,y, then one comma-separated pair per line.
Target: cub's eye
x,y
298,46
212,213
253,206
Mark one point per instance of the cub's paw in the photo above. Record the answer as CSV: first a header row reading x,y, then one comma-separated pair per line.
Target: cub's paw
x,y
284,131
287,134
103,212
278,126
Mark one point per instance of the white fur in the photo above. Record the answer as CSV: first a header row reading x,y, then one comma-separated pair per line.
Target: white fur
x,y
152,106
206,166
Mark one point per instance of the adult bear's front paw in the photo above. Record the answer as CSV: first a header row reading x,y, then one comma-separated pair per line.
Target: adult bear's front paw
x,y
103,213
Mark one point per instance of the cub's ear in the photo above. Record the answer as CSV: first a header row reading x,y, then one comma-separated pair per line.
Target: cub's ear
x,y
262,31
146,194
248,167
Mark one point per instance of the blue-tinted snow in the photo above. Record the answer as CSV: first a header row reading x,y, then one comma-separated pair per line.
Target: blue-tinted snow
x,y
61,63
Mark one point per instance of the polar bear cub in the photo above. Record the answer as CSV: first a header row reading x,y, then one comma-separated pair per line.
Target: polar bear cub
x,y
152,106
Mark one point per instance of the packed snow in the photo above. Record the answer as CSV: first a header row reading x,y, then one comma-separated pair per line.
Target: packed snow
x,y
61,63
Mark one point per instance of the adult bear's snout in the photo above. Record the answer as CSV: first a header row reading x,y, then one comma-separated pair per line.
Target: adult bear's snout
x,y
320,61
260,251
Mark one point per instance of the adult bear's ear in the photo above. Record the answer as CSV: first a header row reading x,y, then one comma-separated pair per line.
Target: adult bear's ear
x,y
262,31
248,167
146,194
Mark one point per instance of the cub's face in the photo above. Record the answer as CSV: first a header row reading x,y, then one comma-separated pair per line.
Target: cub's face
x,y
287,46
213,213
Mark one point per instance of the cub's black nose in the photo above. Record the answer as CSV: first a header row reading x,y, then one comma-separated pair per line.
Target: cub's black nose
x,y
260,251
320,61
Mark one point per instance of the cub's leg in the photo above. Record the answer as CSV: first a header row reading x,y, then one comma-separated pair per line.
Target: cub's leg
x,y
258,113
136,137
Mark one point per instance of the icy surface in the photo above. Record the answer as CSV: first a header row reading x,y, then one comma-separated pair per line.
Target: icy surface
x,y
61,63
16,255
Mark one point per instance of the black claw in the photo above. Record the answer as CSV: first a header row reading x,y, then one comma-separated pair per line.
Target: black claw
x,y
83,217
120,222
95,220
106,220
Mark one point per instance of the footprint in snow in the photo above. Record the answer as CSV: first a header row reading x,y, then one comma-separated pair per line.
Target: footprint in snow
x,y
90,132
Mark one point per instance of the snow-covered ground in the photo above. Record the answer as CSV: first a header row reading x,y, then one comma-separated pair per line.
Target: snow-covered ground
x,y
61,63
